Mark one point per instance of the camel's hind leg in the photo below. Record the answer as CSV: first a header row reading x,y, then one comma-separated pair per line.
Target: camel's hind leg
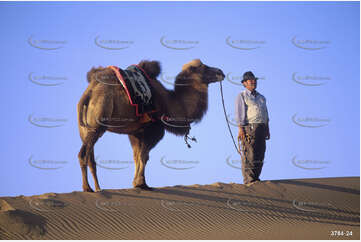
x,y
95,106
142,143
84,168
93,169
86,158
100,107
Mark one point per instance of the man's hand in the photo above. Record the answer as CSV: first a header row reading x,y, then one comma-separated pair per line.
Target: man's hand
x,y
268,136
241,134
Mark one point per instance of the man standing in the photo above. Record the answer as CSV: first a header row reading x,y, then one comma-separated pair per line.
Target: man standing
x,y
252,119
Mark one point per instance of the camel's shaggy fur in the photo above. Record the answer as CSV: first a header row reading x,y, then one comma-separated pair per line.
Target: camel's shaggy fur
x,y
104,106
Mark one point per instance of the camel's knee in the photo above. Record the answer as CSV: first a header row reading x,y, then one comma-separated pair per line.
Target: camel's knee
x,y
82,152
84,155
82,163
92,165
144,157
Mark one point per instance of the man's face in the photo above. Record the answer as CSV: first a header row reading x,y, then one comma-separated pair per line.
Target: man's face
x,y
250,84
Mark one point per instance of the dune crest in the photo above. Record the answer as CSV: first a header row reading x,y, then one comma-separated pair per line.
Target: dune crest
x,y
320,208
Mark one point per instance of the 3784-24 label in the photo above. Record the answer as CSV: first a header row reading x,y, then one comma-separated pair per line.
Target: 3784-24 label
x,y
340,233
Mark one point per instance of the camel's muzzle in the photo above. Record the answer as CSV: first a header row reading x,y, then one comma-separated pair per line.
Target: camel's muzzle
x,y
219,75
215,75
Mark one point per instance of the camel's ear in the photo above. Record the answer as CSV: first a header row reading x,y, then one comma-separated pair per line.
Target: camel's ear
x,y
152,68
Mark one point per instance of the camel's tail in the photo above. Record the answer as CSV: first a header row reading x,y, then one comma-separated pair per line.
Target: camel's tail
x,y
83,108
84,100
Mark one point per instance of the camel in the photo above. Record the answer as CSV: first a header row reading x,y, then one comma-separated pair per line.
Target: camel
x,y
104,106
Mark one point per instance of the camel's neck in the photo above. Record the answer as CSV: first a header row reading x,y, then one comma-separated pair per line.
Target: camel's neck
x,y
189,104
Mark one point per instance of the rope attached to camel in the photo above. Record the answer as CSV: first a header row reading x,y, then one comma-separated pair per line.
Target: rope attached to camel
x,y
239,148
187,137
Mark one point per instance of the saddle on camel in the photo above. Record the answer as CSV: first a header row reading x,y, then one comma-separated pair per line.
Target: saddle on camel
x,y
136,84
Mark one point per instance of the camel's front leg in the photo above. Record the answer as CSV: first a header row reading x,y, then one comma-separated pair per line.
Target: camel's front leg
x,y
139,179
141,156
142,143
136,163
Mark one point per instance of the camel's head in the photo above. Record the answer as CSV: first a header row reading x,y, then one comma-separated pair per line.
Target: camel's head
x,y
205,74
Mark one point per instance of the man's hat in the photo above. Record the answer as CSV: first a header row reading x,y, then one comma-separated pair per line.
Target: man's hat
x,y
249,76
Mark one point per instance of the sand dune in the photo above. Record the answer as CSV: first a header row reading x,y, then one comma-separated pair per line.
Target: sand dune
x,y
281,209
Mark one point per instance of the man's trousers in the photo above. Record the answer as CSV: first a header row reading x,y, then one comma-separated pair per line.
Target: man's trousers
x,y
253,148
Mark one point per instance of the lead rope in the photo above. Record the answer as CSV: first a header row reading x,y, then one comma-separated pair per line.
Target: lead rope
x,y
186,137
229,128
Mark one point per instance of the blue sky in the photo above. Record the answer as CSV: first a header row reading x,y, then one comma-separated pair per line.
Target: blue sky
x,y
306,53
